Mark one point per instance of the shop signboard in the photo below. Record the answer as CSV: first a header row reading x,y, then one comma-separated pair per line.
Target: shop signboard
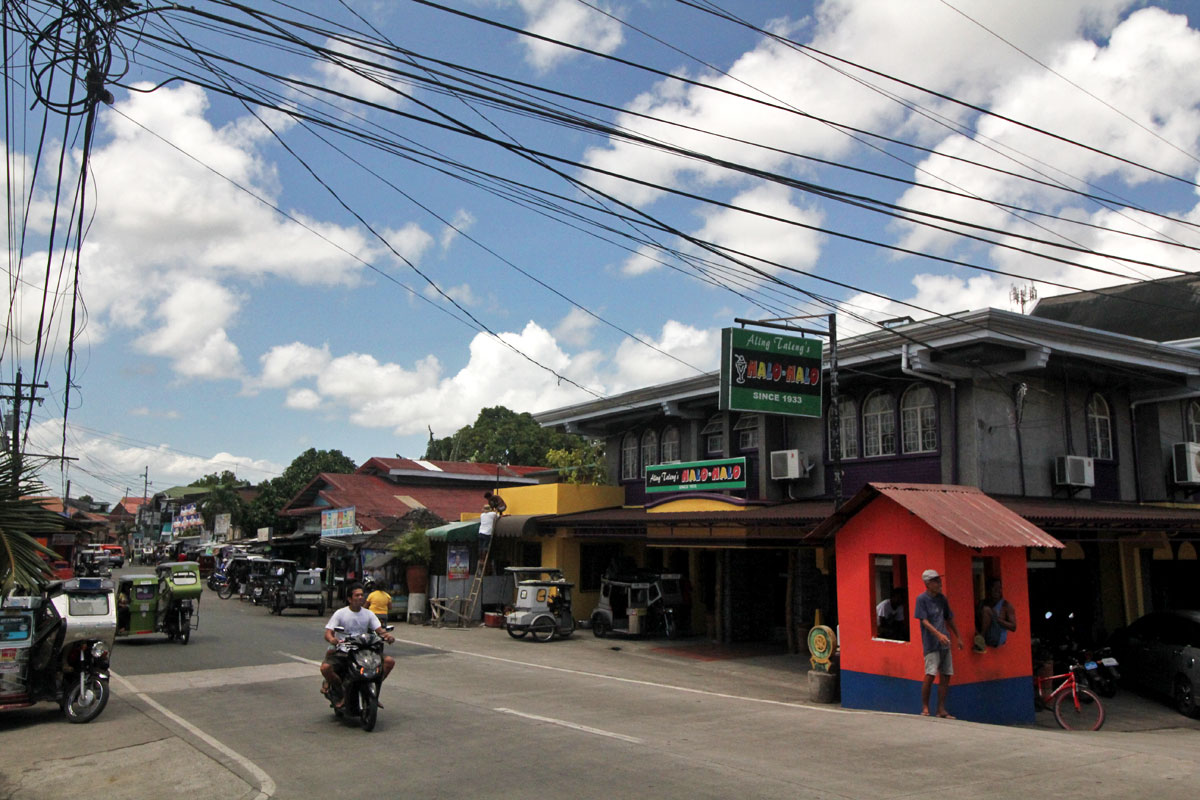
x,y
770,373
693,476
338,522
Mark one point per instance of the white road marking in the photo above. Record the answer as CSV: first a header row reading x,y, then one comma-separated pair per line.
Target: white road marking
x,y
301,659
266,786
635,681
572,725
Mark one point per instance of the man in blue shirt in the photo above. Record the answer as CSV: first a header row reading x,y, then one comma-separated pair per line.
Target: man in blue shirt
x,y
933,613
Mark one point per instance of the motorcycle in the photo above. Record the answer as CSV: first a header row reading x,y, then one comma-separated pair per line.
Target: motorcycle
x,y
362,679
56,646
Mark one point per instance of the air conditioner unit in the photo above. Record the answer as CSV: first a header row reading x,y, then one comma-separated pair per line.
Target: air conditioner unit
x,y
786,465
1074,471
1186,458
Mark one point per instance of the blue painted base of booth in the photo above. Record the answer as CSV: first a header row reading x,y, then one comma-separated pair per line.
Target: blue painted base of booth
x,y
1002,702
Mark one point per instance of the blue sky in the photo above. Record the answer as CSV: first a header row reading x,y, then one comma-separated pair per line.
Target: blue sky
x,y
248,291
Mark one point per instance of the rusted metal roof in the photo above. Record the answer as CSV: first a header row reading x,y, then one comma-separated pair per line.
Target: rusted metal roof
x,y
963,514
1059,513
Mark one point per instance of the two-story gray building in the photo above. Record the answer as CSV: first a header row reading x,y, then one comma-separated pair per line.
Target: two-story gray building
x,y
1091,434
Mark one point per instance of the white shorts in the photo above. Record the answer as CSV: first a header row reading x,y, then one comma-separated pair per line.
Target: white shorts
x,y
939,661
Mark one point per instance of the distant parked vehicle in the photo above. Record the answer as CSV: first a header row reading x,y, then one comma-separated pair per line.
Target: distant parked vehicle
x,y
643,603
542,607
116,554
1160,654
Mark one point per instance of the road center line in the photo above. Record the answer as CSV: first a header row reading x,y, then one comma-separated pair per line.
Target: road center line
x,y
266,786
635,681
572,725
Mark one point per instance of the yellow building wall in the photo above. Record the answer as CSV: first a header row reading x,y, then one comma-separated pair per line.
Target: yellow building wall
x,y
559,498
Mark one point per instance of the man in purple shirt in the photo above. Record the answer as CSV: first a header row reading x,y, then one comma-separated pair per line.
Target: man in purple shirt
x,y
932,612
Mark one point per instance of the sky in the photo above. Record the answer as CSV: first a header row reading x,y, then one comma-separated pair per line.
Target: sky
x,y
351,225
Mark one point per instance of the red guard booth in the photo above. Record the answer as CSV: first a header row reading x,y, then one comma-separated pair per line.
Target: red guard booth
x,y
886,536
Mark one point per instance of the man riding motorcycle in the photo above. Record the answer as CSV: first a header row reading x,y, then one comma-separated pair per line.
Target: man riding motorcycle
x,y
354,619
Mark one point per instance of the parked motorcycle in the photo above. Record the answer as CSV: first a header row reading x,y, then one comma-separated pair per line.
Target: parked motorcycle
x,y
1100,669
56,645
364,656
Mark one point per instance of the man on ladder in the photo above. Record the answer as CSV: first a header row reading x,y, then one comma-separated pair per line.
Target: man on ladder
x,y
492,509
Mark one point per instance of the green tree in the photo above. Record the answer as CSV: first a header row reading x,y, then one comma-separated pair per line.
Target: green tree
x,y
501,436
273,495
21,562
226,478
583,464
223,499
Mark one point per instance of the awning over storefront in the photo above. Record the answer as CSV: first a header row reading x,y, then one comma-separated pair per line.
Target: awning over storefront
x,y
455,532
342,542
380,561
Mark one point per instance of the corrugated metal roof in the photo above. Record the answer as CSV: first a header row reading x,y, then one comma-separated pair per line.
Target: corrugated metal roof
x,y
803,514
963,514
1100,515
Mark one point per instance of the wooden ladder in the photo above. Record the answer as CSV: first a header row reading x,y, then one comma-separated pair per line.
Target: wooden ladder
x,y
477,583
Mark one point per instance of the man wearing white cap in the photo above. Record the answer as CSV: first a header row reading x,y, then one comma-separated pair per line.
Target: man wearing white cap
x,y
932,612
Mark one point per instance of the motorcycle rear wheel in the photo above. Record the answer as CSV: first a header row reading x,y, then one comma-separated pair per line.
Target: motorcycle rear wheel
x,y
369,703
225,591
77,706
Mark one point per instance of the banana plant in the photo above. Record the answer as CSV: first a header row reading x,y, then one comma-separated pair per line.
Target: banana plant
x,y
21,518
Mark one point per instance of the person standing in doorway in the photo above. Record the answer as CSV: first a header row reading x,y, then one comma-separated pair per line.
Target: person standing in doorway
x,y
932,612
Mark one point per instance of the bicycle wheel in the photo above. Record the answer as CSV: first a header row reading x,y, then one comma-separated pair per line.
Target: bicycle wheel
x,y
1086,715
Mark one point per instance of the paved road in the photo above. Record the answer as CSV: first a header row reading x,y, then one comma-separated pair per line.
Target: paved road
x,y
473,713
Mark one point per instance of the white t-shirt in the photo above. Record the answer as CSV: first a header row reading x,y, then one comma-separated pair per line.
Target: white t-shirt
x,y
354,623
487,521
886,610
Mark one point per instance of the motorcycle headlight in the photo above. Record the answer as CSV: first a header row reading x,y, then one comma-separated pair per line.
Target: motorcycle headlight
x,y
99,651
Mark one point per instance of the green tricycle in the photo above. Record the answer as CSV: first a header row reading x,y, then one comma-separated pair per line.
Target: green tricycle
x,y
166,602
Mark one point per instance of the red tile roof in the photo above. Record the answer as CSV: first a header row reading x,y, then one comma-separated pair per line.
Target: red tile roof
x,y
378,501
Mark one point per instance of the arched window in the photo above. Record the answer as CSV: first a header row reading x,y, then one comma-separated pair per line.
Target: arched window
x,y
879,425
1099,428
848,427
746,429
629,458
918,420
670,445
712,436
649,449
1193,421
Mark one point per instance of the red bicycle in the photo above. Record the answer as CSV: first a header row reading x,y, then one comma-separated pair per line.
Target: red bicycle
x,y
1076,707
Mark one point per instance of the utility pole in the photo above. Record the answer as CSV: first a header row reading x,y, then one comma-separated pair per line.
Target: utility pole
x,y
17,397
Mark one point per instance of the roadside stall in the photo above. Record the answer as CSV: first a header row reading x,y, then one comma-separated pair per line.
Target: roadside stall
x,y
886,536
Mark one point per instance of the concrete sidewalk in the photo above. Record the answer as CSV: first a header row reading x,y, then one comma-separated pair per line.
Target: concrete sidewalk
x,y
129,751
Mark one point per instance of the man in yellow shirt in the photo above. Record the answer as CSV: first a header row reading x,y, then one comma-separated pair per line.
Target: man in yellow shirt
x,y
379,602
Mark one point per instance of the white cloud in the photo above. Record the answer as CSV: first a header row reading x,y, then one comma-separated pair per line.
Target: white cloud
x,y
576,328
303,399
770,240
462,294
567,21
192,333
462,222
373,394
283,365
112,455
346,73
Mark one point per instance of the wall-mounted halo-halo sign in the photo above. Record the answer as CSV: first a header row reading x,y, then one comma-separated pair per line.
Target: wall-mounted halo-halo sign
x,y
821,644
720,473
770,373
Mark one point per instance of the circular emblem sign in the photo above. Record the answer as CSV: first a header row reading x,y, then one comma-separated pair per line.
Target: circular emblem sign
x,y
821,643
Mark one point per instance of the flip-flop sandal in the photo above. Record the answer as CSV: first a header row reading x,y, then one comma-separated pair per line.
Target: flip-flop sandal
x,y
924,713
947,716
